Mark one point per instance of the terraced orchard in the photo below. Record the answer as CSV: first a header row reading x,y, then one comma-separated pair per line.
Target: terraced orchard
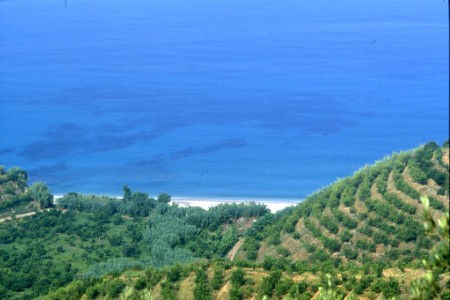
x,y
374,215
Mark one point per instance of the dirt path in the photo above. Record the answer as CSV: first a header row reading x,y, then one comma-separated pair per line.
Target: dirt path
x,y
224,292
185,291
19,216
235,249
23,215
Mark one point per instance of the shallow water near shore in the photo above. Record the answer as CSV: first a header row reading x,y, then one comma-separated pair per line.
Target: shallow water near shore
x,y
264,99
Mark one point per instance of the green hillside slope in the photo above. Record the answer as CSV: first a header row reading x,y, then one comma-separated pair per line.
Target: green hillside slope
x,y
46,246
373,215
361,237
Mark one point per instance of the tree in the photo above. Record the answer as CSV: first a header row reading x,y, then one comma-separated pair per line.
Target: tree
x,y
164,198
40,192
126,193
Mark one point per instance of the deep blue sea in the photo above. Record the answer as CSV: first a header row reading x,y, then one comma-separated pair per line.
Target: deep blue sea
x,y
223,98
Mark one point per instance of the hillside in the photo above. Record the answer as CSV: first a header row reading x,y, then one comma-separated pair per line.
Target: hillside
x,y
366,231
373,215
373,250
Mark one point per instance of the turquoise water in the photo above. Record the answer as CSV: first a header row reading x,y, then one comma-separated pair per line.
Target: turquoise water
x,y
265,99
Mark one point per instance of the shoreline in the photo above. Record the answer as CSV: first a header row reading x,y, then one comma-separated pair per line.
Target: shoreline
x,y
273,204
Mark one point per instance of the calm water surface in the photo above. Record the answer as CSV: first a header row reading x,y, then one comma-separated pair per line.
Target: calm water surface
x,y
217,98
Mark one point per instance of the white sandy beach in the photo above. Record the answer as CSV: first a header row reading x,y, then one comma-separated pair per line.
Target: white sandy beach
x,y
273,204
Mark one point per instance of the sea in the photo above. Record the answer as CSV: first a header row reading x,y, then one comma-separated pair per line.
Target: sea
x,y
235,99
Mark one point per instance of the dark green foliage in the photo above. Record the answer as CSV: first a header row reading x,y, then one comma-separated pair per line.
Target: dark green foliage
x,y
164,198
283,251
395,201
115,287
201,290
237,280
348,197
175,273
401,185
389,288
362,284
345,236
331,244
40,192
436,204
283,287
236,293
168,290
344,219
329,224
381,238
350,253
251,248
268,284
218,280
274,239
238,277
140,284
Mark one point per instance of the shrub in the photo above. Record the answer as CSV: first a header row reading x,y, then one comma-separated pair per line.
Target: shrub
x,y
436,204
331,244
268,283
115,287
283,286
363,284
283,251
236,293
217,280
174,273
389,288
140,284
345,236
329,224
201,289
238,277
350,254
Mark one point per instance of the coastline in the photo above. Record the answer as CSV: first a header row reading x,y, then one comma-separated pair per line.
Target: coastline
x,y
273,204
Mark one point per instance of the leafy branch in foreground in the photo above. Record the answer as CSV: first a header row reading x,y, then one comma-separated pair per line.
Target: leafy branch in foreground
x,y
438,263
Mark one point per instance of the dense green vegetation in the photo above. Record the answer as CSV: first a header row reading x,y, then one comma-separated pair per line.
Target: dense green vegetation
x,y
362,235
89,236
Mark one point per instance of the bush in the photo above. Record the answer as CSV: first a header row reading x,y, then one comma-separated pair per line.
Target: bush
x,y
268,284
236,293
201,290
238,277
389,288
174,273
217,281
345,236
115,287
283,287
283,251
363,284
350,254
140,284
328,223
